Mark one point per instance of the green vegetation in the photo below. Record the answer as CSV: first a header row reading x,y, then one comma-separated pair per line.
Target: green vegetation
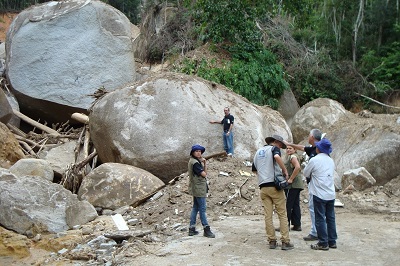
x,y
318,48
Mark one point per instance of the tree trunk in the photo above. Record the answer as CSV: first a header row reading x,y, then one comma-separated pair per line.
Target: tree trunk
x,y
357,25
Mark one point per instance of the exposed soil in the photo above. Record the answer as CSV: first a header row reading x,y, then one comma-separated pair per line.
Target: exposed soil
x,y
368,226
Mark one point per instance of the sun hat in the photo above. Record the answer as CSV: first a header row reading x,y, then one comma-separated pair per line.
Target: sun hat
x,y
197,147
324,146
271,139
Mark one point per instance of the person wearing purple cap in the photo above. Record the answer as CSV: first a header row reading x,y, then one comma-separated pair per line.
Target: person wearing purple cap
x,y
320,170
198,188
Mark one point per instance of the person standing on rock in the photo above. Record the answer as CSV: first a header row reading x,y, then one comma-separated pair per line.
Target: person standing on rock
x,y
198,188
266,162
320,170
227,135
293,191
314,136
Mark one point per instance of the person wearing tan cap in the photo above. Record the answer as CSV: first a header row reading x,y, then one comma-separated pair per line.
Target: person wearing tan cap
x,y
267,161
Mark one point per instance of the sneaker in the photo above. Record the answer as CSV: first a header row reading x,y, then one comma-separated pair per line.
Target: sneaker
x,y
296,228
272,244
319,247
332,245
230,155
310,238
287,246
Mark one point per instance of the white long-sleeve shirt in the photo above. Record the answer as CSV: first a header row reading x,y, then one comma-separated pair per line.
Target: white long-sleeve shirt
x,y
321,170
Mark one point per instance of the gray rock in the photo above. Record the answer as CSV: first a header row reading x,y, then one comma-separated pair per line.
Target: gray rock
x,y
55,71
30,205
359,178
33,167
320,113
154,123
113,185
80,213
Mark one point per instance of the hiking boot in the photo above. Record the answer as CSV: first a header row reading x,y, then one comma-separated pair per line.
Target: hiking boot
x,y
332,245
310,238
287,246
208,233
318,246
296,228
192,231
272,244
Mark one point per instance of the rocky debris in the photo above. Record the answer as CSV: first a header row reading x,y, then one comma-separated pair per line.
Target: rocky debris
x,y
162,116
113,185
359,179
53,79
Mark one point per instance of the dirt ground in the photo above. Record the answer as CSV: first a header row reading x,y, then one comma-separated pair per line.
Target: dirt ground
x,y
368,227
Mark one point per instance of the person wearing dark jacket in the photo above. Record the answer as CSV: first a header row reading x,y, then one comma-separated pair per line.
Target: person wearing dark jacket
x,y
198,189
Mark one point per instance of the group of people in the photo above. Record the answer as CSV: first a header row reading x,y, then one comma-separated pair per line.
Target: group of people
x,y
268,162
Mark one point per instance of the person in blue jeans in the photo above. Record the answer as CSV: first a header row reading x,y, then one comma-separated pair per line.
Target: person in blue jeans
x,y
198,188
320,170
227,135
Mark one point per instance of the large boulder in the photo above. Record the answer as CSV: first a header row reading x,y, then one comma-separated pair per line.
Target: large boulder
x,y
154,123
30,205
320,113
369,142
113,185
60,53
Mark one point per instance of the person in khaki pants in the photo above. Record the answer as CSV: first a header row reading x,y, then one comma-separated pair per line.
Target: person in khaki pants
x,y
267,161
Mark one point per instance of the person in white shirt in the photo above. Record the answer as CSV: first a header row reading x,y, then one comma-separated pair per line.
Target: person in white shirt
x,y
320,170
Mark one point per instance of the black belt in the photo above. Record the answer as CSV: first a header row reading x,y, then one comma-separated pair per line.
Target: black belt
x,y
268,184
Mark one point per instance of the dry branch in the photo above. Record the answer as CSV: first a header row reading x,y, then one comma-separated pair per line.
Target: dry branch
x,y
375,101
36,124
216,155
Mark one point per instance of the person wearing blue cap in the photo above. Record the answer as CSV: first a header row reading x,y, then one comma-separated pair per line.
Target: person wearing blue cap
x,y
320,170
198,188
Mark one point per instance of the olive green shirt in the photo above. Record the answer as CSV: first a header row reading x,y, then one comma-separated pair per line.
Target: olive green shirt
x,y
197,184
298,180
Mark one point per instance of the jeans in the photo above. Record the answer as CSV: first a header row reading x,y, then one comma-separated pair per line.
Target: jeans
x,y
270,197
293,206
325,221
199,206
312,214
228,142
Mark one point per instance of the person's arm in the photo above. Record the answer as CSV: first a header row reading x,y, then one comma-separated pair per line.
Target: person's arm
x,y
296,169
279,161
296,146
204,172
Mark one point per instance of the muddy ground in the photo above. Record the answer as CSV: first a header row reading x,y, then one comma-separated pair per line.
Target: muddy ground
x,y
368,228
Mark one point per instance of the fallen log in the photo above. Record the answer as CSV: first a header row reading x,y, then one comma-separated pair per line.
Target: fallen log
x,y
36,124
220,154
80,118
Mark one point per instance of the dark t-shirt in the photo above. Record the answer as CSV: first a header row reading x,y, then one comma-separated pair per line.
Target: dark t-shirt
x,y
227,121
197,168
311,151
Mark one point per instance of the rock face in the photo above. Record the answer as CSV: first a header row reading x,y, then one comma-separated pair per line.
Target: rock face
x,y
320,113
113,185
372,141
31,205
33,167
153,124
60,53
